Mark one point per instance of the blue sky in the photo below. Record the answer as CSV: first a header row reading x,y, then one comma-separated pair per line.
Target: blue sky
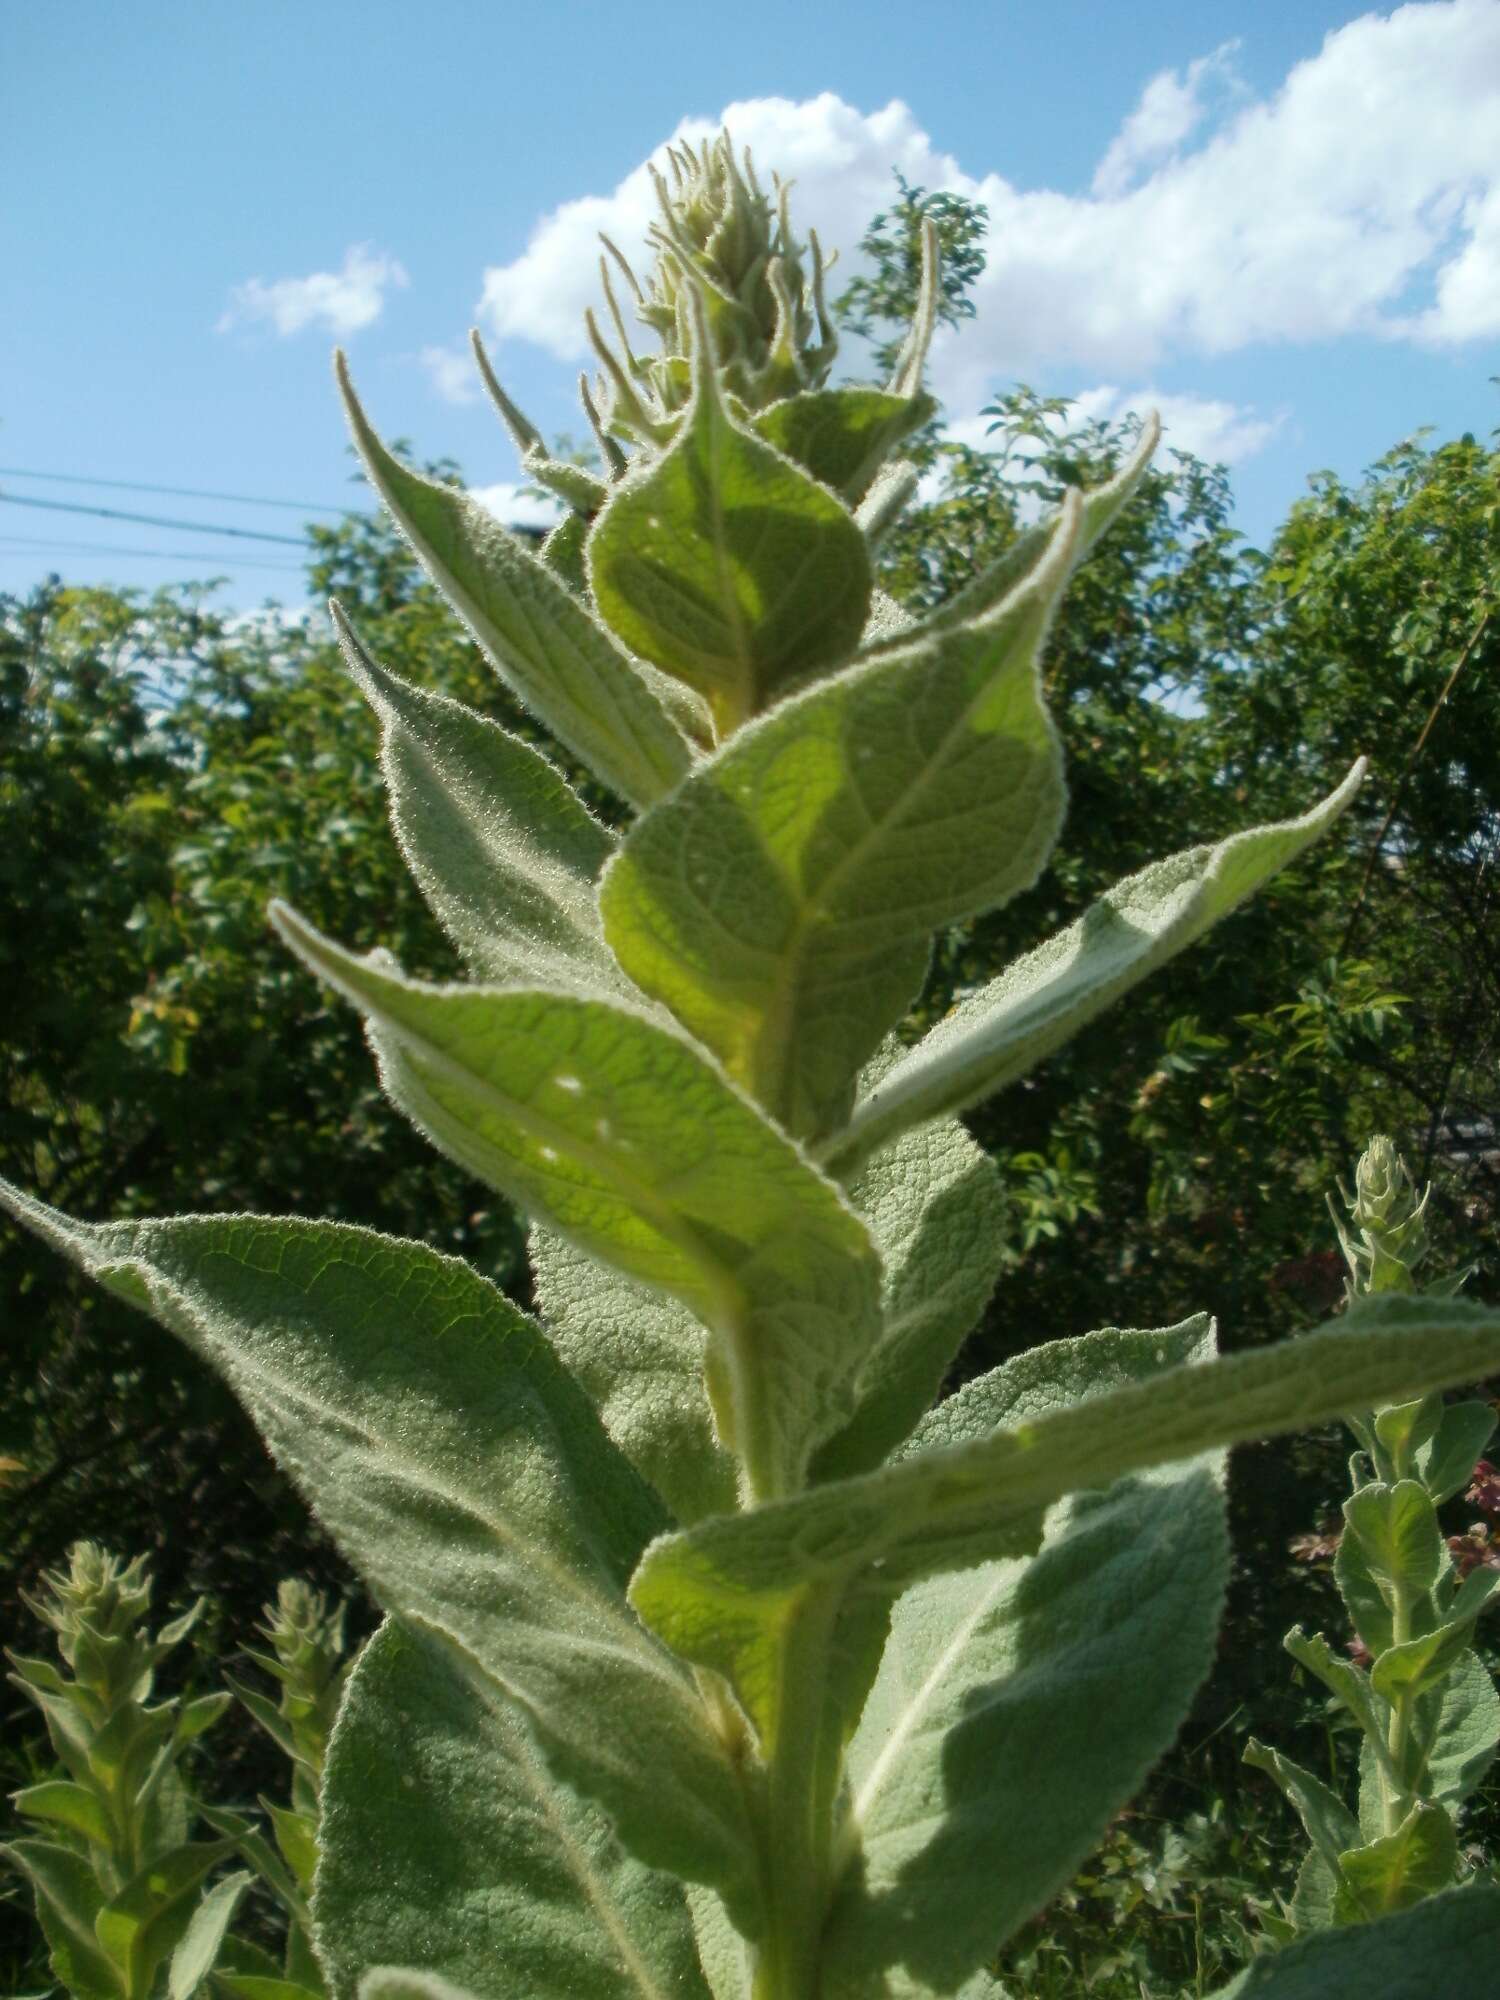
x,y
1279,221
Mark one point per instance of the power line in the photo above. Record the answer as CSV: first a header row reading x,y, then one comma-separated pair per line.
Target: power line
x,y
13,543
154,520
178,492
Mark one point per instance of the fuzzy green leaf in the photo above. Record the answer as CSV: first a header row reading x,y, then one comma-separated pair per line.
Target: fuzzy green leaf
x,y
392,1982
545,643
196,1955
1447,1945
842,436
781,902
1102,507
936,1209
639,1354
66,1804
720,1592
1326,1820
1446,1463
143,1923
619,1134
725,564
1043,999
1401,1868
466,1475
1397,1528
67,1902
1351,1686
490,1874
1424,1663
1462,1728
1001,1735
504,851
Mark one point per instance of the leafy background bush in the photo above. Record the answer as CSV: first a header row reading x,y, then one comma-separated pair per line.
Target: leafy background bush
x,y
168,768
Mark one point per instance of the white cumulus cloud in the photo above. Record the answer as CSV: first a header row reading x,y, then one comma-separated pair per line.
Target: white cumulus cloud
x,y
517,508
1362,196
339,302
452,373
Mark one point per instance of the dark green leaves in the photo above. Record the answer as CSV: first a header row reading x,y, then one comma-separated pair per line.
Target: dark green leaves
x,y
725,564
1447,1945
781,902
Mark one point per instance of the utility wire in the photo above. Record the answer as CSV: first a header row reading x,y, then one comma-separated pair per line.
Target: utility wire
x,y
155,520
178,492
10,543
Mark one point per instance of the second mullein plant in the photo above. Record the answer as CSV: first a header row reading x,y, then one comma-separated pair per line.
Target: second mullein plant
x,y
718,1661
1426,1715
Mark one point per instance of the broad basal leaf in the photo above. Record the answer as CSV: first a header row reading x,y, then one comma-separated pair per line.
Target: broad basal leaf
x,y
1019,1704
935,1207
842,436
447,1843
1448,1945
639,1354
725,564
620,1135
1040,1002
781,902
500,845
721,1592
547,646
463,1472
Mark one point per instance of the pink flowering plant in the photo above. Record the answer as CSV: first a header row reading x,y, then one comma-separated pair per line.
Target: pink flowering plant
x,y
719,1662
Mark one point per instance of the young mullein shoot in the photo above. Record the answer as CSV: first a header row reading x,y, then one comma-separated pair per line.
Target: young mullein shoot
x,y
307,1660
117,1881
1425,1707
718,1662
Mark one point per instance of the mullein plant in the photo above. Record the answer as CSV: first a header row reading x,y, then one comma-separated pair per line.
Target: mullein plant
x,y
1423,1705
718,1662
117,1878
308,1664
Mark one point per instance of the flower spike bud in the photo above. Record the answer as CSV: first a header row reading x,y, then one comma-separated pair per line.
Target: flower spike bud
x,y
614,458
906,377
624,263
526,436
621,335
628,412
828,333
1388,1236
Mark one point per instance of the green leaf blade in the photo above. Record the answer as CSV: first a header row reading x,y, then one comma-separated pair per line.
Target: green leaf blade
x,y
1019,1704
542,640
617,1133
782,900
1046,997
1446,1945
463,1472
725,565
504,851
716,1591
842,436
491,1875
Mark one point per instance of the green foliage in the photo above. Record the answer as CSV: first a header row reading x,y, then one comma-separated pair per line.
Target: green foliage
x,y
803,1731
115,1875
1427,1713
